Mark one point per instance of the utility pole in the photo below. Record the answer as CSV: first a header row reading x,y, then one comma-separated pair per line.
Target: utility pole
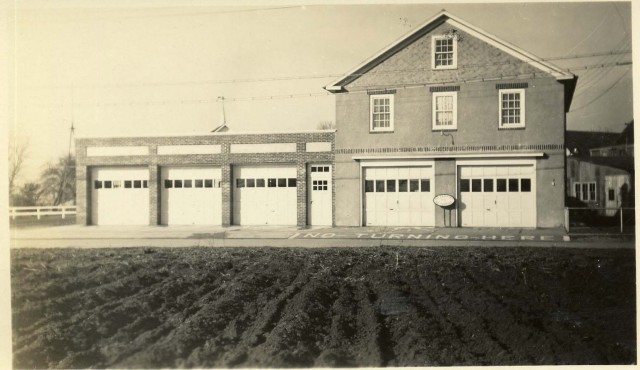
x,y
63,181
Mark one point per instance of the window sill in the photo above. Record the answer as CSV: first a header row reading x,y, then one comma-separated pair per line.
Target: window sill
x,y
435,129
502,128
444,68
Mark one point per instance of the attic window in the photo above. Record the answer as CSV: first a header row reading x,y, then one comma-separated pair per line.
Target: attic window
x,y
445,52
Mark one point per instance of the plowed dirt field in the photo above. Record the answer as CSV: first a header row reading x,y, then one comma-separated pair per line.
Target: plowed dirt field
x,y
271,307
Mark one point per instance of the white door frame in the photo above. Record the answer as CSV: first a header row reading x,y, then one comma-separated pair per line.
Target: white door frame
x,y
310,190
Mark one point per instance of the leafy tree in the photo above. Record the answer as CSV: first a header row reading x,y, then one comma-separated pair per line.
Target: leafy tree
x,y
58,182
27,196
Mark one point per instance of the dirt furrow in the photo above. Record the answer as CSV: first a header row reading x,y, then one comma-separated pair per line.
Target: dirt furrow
x,y
446,288
247,352
512,325
200,320
449,335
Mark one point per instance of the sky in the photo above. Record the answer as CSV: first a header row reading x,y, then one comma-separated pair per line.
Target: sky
x,y
147,68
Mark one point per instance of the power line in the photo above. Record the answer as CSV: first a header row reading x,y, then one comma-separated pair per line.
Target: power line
x,y
601,94
320,94
309,77
166,15
592,79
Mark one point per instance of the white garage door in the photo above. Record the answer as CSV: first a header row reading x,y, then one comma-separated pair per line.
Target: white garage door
x,y
265,195
191,196
399,196
120,196
497,196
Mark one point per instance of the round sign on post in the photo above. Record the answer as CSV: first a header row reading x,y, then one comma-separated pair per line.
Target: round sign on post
x,y
443,200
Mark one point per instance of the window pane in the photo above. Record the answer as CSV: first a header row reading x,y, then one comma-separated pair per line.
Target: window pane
x,y
391,186
314,168
168,184
592,191
414,185
464,185
107,184
259,183
199,183
97,184
476,185
525,185
381,113
239,183
513,185
612,194
291,182
379,186
127,184
368,186
251,183
188,183
271,183
501,185
425,185
145,184
138,184
488,185
402,185
282,183
117,184
208,183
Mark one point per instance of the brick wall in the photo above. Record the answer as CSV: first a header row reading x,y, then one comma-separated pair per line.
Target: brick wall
x,y
481,70
225,159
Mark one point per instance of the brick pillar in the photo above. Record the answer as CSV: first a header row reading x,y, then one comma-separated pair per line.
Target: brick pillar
x,y
301,185
227,198
227,177
445,183
154,195
83,192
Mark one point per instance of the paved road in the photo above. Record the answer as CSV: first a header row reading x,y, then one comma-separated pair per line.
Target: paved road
x,y
234,236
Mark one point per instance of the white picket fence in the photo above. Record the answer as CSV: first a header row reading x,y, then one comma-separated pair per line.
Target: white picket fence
x,y
42,211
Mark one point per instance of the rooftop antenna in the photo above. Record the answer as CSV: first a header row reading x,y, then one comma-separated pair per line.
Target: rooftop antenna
x,y
224,118
222,127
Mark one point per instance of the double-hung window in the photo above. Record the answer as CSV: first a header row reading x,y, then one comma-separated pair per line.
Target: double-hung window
x,y
444,52
444,108
585,191
381,116
512,108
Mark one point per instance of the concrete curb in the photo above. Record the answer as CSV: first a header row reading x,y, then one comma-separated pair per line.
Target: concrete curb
x,y
303,243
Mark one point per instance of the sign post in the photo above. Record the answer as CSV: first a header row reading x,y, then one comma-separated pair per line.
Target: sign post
x,y
446,202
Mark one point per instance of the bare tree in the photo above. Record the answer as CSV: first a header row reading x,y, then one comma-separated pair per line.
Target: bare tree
x,y
17,157
326,125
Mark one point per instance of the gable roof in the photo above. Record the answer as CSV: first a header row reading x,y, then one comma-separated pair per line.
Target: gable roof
x,y
426,27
